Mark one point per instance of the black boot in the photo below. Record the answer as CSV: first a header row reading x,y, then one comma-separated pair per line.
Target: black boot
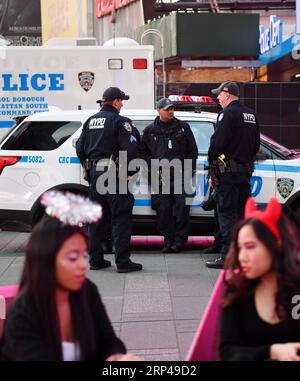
x,y
215,248
217,263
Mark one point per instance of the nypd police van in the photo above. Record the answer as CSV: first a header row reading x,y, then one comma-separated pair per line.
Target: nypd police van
x,y
72,73
39,154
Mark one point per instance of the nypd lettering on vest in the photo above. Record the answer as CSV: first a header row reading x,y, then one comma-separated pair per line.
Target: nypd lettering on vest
x,y
249,118
96,123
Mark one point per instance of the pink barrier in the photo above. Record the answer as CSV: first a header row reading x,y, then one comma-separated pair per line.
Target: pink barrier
x,y
7,295
206,341
153,240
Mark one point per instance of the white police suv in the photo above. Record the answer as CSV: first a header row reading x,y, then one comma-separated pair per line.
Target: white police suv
x,y
39,154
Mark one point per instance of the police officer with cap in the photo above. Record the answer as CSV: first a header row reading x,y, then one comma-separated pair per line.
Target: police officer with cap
x,y
104,135
170,138
231,155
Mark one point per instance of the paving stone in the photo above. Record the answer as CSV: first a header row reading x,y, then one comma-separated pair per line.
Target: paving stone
x,y
194,285
12,274
149,335
4,264
140,282
147,302
190,325
159,354
185,340
185,264
189,307
113,307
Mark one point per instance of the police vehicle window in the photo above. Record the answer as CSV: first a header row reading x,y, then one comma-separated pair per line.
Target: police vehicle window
x,y
202,132
40,136
264,153
277,149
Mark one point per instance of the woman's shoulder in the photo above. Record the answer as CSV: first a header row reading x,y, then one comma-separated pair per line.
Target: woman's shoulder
x,y
22,310
91,289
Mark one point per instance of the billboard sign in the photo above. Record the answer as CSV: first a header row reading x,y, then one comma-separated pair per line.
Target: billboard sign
x,y
20,21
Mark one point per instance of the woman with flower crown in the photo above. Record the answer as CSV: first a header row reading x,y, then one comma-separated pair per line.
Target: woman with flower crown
x,y
58,313
258,320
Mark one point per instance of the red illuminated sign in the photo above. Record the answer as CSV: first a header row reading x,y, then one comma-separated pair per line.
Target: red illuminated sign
x,y
109,7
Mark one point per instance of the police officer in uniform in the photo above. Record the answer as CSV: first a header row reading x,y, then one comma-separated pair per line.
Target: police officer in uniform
x,y
170,138
231,155
104,135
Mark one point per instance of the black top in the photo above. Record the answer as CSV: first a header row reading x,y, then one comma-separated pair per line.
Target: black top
x,y
170,140
245,336
237,135
23,338
105,134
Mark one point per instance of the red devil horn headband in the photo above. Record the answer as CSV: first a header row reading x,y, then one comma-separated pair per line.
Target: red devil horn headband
x,y
269,217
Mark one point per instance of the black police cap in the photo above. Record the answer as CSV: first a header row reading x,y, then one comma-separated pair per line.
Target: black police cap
x,y
164,104
228,87
113,93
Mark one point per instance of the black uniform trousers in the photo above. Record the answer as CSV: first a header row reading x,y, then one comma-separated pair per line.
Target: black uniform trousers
x,y
232,193
173,215
120,207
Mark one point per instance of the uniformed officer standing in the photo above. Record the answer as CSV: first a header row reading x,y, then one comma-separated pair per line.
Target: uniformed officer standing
x,y
170,138
231,156
104,135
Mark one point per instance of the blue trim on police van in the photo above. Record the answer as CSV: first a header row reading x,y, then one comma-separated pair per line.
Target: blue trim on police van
x,y
7,123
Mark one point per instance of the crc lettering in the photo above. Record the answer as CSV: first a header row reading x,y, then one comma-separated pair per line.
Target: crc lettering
x,y
38,82
64,160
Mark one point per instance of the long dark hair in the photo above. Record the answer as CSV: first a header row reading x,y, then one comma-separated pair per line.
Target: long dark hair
x,y
38,280
285,264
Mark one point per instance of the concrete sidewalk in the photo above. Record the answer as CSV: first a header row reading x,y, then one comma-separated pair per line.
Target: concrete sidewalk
x,y
156,312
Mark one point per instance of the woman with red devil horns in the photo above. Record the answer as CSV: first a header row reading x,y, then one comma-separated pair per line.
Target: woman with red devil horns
x,y
261,305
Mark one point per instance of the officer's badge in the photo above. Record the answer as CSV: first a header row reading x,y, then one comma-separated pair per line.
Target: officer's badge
x,y
285,186
86,80
220,117
127,127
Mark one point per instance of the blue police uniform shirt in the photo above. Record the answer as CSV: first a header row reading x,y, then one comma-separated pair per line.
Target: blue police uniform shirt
x,y
237,134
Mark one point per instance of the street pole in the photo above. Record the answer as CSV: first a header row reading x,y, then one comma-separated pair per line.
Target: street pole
x,y
158,33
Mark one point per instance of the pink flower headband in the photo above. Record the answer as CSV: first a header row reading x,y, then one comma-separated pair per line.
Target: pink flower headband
x,y
71,209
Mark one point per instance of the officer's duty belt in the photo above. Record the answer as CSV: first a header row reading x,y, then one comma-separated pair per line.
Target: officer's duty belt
x,y
231,166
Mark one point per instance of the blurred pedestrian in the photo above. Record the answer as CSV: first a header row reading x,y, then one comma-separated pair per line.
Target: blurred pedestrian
x,y
58,313
263,263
